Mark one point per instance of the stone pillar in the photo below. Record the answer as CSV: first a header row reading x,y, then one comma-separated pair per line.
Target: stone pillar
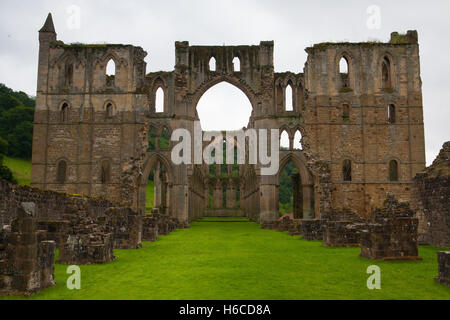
x,y
157,183
217,196
308,202
268,201
298,196
231,196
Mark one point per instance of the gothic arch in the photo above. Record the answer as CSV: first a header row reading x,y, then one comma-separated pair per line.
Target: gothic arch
x,y
393,70
300,163
237,82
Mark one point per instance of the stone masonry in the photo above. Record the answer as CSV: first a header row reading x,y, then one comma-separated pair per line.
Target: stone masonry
x,y
432,201
26,260
362,130
391,234
444,268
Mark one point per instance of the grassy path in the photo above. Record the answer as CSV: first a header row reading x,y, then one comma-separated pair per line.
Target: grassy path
x,y
214,260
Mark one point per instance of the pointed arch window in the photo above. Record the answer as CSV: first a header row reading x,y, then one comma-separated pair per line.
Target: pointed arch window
x,y
344,71
109,110
298,141
164,140
110,73
64,116
61,172
386,73
237,64
284,141
393,171
289,98
68,76
347,170
159,100
212,64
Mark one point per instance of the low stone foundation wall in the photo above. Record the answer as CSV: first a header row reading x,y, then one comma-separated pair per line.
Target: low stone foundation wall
x,y
342,234
86,243
444,268
294,229
312,230
26,260
392,233
49,205
149,228
126,227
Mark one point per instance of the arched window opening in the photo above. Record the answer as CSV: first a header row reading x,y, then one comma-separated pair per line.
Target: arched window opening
x,y
224,107
159,101
391,114
237,64
111,68
61,173
289,98
164,140
105,174
212,64
347,170
290,196
344,71
393,171
298,141
68,81
284,141
346,113
110,73
65,113
343,66
109,110
386,73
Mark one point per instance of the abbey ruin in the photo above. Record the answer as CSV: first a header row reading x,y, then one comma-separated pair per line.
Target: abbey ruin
x,y
361,176
362,128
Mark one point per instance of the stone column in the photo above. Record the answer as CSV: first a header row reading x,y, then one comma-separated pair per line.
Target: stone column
x,y
157,184
218,196
308,202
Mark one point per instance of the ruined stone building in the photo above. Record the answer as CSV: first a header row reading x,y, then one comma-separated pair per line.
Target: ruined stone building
x,y
357,106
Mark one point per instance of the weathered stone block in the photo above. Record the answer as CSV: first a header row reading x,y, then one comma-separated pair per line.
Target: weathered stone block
x,y
444,268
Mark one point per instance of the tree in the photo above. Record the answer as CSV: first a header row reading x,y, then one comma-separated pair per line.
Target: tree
x,y
3,146
21,140
5,173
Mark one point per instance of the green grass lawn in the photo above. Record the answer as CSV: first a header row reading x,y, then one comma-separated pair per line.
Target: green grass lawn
x,y
21,170
214,260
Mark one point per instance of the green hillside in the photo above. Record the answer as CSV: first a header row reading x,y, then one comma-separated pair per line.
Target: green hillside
x,y
21,170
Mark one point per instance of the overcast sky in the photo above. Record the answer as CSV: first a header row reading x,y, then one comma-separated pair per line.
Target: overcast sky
x,y
293,25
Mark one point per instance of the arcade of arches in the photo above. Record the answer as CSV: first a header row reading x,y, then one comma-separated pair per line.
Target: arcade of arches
x,y
106,127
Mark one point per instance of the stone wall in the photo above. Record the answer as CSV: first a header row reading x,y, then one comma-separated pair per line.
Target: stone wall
x,y
126,227
85,119
26,260
432,201
444,268
86,242
49,205
391,234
